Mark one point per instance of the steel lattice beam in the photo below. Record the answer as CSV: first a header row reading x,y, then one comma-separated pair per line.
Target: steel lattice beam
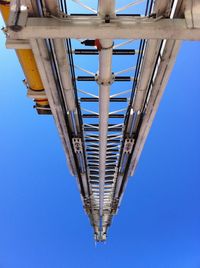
x,y
102,154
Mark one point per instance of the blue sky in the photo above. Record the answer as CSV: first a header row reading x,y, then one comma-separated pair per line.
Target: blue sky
x,y
42,223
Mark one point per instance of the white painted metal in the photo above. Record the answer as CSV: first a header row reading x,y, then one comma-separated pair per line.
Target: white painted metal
x,y
129,5
18,44
120,93
34,94
84,70
89,111
42,60
152,50
161,80
105,8
118,28
123,43
85,6
64,70
125,71
118,111
192,13
88,93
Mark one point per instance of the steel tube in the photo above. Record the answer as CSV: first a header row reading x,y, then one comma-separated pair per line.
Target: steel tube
x,y
105,8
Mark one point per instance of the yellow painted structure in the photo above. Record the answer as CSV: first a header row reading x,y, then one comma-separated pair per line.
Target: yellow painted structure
x,y
27,61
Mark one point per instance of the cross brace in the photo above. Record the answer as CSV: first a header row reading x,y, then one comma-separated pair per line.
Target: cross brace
x,y
118,28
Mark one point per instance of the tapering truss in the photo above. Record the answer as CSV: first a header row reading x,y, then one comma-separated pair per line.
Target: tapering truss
x,y
103,107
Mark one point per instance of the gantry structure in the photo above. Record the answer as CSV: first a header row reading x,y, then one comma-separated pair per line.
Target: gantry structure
x,y
102,132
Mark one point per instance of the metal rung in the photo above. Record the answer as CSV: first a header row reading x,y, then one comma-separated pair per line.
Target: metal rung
x,y
111,153
92,166
97,116
92,78
94,15
97,125
94,187
109,160
94,172
92,137
91,150
114,136
107,166
97,99
117,129
123,78
108,150
110,172
109,141
96,52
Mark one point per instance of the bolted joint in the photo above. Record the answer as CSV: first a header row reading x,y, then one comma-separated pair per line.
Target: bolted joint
x,y
128,145
87,205
77,144
115,206
100,236
5,31
107,19
103,82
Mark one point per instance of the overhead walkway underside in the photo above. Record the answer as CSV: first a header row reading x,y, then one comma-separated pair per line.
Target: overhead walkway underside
x,y
101,74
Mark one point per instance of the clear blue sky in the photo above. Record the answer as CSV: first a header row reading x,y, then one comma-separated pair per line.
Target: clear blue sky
x,y
42,223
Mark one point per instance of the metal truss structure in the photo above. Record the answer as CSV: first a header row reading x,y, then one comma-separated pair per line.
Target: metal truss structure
x,y
103,133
